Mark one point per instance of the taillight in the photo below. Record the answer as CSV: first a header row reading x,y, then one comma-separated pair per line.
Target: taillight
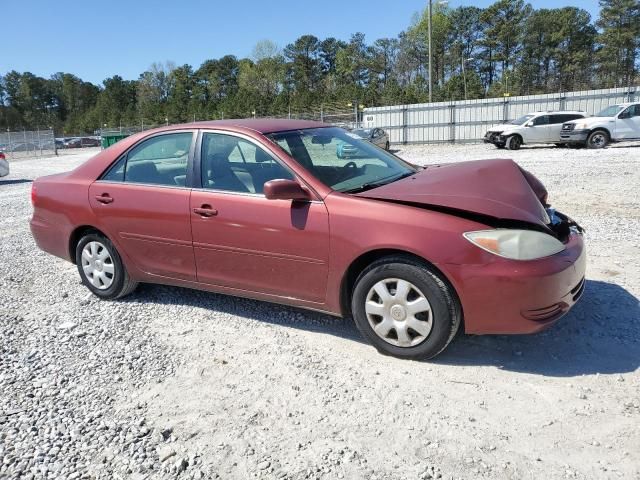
x,y
2,157
34,194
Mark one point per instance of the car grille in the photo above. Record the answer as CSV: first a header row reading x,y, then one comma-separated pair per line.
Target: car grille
x,y
567,127
492,136
578,290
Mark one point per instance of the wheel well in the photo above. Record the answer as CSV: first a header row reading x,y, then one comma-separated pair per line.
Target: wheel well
x,y
516,135
75,237
601,129
366,259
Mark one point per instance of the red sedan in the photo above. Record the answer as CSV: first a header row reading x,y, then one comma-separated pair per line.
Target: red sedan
x,y
266,209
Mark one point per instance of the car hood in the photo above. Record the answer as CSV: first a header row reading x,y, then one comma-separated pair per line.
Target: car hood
x,y
592,120
495,188
503,127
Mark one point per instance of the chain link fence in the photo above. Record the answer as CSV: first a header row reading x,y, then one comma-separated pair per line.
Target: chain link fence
x,y
28,143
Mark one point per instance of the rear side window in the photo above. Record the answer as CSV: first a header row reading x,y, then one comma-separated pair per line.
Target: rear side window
x,y
565,117
160,160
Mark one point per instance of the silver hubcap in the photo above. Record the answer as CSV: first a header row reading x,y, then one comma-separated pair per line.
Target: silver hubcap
x,y
97,265
399,312
597,140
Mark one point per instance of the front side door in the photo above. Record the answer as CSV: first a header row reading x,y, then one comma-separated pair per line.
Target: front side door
x,y
538,132
142,202
628,123
244,241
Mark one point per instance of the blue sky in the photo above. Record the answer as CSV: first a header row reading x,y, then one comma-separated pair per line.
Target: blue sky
x,y
125,37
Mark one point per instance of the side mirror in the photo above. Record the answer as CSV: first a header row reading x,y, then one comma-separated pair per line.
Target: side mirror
x,y
285,190
528,124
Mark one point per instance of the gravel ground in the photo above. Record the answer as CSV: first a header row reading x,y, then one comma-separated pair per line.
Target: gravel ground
x,y
178,383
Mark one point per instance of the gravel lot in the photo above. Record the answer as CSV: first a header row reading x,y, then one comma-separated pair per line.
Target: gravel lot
x,y
178,383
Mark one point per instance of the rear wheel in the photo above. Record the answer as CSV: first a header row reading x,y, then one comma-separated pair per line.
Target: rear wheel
x,y
405,309
514,142
598,139
101,268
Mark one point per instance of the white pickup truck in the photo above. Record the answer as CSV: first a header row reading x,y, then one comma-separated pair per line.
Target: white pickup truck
x,y
616,123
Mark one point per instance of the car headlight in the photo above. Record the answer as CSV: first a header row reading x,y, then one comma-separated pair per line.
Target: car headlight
x,y
581,126
516,244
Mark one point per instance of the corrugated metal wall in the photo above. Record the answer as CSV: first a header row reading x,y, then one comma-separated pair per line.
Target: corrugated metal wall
x,y
467,121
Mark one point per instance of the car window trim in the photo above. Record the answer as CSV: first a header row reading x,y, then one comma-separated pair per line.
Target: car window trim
x,y
197,163
125,155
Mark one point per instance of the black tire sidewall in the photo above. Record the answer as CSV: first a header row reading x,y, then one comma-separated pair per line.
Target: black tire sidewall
x,y
514,143
118,276
598,132
443,318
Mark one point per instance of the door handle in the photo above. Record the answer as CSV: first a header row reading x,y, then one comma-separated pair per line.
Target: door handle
x,y
205,211
104,198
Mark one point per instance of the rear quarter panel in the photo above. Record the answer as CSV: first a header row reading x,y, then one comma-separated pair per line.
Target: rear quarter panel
x,y
60,206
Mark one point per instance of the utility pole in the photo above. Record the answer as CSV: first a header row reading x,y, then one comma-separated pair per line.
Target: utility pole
x,y
355,113
430,69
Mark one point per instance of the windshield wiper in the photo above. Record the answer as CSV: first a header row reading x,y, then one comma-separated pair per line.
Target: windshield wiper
x,y
385,181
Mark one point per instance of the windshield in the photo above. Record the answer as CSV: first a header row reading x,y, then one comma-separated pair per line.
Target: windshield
x,y
342,160
521,120
611,111
362,133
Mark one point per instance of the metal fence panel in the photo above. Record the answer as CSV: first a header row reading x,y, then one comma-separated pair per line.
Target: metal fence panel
x,y
467,121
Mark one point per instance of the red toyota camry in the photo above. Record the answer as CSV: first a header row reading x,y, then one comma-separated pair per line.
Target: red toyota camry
x,y
270,209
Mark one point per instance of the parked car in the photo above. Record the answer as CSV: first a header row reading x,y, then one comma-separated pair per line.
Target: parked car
x,y
377,136
537,127
614,124
4,165
89,142
266,209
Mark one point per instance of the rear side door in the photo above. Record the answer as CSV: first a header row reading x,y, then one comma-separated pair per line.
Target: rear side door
x,y
244,241
628,123
142,203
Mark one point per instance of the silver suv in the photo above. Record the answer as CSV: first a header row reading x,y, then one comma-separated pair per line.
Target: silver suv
x,y
537,127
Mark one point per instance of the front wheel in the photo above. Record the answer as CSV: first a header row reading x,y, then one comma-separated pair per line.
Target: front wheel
x,y
598,139
101,268
514,142
405,309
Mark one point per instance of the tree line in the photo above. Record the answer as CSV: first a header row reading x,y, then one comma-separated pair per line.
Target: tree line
x,y
507,48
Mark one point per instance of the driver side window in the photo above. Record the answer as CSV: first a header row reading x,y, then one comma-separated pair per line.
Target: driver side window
x,y
543,120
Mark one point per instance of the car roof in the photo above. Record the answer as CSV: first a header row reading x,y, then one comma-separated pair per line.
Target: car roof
x,y
555,112
260,125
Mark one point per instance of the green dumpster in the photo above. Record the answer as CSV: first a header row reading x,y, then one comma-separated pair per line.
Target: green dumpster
x,y
109,139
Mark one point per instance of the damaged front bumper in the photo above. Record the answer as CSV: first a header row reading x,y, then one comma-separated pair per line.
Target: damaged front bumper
x,y
520,297
494,138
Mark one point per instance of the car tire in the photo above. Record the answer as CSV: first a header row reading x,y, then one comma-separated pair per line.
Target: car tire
x,y
514,142
598,139
101,268
406,285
